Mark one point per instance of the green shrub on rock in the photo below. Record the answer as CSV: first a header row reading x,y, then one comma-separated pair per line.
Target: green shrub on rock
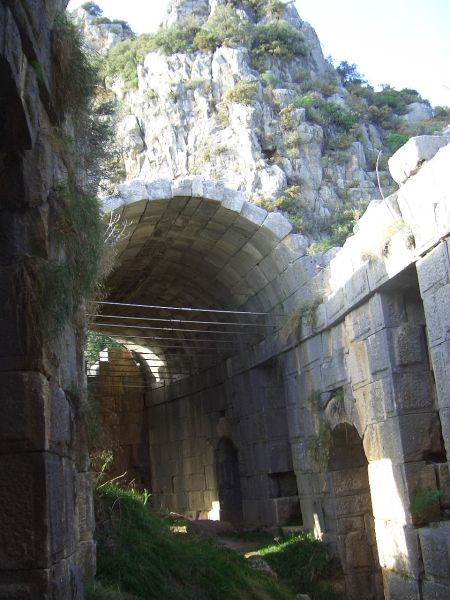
x,y
225,27
123,59
178,38
276,39
326,113
245,92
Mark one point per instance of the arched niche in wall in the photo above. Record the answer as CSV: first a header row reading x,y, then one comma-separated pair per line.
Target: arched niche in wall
x,y
354,526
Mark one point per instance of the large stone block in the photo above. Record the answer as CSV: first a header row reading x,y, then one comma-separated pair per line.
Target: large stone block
x,y
24,412
335,305
353,505
433,269
379,352
277,224
409,345
280,457
24,535
61,420
443,479
286,510
436,591
421,500
413,391
84,508
311,351
381,400
334,371
358,553
347,482
435,329
441,368
398,587
435,545
387,492
403,438
357,287
358,365
409,158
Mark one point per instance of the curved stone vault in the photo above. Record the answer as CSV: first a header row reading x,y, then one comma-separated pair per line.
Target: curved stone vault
x,y
195,243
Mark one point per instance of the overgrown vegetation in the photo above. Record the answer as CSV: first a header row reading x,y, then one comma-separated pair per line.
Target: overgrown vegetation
x,y
140,558
304,563
96,342
339,226
49,290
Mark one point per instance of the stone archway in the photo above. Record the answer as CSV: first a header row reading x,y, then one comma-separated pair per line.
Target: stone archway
x,y
348,469
195,244
228,482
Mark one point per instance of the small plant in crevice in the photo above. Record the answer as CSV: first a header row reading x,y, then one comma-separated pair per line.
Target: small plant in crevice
x,y
424,499
291,323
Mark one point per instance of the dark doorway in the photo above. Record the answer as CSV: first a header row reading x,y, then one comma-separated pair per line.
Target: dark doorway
x,y
229,483
354,517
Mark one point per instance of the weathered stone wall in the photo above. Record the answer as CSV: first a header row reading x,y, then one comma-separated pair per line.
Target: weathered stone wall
x,y
353,400
45,492
187,420
119,446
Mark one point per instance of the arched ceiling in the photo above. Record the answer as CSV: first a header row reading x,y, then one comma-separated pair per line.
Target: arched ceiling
x,y
194,243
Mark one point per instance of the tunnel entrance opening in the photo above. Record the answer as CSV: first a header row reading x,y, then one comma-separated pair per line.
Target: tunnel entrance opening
x,y
229,482
196,287
355,527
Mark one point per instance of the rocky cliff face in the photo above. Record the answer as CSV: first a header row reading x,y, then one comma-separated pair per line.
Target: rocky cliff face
x,y
274,123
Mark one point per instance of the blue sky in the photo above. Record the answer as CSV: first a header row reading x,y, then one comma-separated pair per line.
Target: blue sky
x,y
405,43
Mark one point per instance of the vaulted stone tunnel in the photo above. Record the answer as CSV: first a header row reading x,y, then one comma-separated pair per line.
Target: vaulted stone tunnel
x,y
246,428
198,245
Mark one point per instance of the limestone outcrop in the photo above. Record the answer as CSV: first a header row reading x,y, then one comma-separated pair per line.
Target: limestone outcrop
x,y
279,125
281,128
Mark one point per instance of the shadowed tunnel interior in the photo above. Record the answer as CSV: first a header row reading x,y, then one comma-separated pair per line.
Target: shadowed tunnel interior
x,y
219,254
198,247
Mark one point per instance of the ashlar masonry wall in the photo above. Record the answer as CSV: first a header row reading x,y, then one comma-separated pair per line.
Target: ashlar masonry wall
x,y
46,511
349,412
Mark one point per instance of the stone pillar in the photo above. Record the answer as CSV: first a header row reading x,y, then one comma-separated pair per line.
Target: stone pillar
x,y
434,279
393,389
45,496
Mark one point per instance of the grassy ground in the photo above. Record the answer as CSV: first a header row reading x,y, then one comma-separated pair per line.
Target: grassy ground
x,y
139,558
304,565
